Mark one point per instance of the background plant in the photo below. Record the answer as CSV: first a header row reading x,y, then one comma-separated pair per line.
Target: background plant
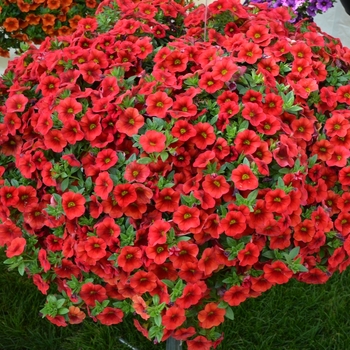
x,y
32,21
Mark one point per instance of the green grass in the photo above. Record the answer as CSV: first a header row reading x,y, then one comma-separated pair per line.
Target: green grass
x,y
288,317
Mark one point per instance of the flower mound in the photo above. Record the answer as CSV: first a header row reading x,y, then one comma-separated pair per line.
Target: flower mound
x,y
33,20
170,172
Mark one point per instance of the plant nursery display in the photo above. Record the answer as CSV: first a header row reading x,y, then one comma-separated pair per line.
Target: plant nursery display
x,y
33,20
170,161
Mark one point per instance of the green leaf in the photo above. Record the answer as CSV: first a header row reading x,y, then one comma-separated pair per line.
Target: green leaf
x,y
294,252
144,160
229,313
21,268
65,184
158,320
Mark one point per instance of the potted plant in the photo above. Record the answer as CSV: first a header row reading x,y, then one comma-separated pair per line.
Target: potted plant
x,y
171,161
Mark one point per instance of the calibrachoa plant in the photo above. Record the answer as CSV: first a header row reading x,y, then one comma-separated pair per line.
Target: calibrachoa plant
x,y
302,8
153,168
32,20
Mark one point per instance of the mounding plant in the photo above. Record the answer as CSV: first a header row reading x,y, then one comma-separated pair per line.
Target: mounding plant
x,y
171,161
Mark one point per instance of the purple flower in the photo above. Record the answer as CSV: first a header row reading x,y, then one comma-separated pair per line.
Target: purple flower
x,y
324,5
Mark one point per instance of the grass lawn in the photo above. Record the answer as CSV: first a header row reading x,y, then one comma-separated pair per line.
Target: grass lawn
x,y
288,317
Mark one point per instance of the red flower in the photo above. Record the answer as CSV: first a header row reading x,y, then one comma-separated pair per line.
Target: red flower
x,y
158,253
186,217
249,255
343,94
277,201
211,316
176,61
199,343
91,293
153,141
42,257
249,53
73,204
91,125
42,285
253,113
167,200
158,232
302,129
9,196
16,247
173,318
216,186
236,295
247,142
130,121
208,83
125,194
158,104
224,69
71,131
103,185
106,158
16,103
234,223
304,231
183,130
55,140
130,258
191,295
68,108
244,179
95,248
205,135
277,272
183,253
110,316
143,282
337,125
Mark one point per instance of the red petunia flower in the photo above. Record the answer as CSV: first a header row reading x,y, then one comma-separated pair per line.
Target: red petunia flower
x,y
211,316
16,103
125,194
208,83
153,141
158,104
304,231
244,179
191,295
130,258
253,113
186,217
247,142
110,316
158,232
205,135
277,272
130,121
249,255
103,185
91,293
73,204
16,247
236,295
216,186
249,53
106,159
173,318
233,224
277,201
